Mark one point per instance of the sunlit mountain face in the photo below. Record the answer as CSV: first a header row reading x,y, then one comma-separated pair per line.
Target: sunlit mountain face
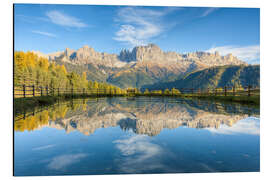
x,y
148,116
150,67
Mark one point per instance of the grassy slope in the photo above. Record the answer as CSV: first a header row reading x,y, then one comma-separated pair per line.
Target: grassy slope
x,y
92,72
215,77
140,76
131,79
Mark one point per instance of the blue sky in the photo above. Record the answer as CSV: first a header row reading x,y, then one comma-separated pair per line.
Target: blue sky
x,y
51,28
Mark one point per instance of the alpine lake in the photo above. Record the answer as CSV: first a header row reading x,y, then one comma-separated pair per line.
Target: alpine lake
x,y
130,135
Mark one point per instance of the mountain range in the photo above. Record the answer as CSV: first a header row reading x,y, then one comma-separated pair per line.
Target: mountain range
x,y
143,66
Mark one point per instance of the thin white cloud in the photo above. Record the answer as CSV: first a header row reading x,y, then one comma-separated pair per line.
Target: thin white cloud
x,y
43,147
250,54
208,11
139,25
44,33
137,143
140,154
61,162
250,125
62,19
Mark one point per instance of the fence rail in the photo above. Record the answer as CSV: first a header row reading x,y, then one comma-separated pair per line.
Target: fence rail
x,y
34,90
224,91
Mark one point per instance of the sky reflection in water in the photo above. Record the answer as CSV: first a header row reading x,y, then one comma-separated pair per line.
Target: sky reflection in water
x,y
138,135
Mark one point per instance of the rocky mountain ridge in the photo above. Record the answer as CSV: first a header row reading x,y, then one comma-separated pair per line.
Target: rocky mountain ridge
x,y
143,65
140,54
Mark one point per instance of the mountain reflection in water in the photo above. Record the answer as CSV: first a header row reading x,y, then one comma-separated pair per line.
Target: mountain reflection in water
x,y
147,116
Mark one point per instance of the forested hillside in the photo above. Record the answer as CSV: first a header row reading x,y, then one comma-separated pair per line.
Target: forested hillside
x,y
29,69
221,76
39,71
92,73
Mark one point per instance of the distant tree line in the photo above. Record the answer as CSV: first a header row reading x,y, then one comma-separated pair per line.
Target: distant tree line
x,y
30,69
166,92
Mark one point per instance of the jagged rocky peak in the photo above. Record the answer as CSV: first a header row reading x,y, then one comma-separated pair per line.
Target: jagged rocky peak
x,y
145,55
68,52
150,47
86,52
87,55
141,53
198,54
213,59
127,55
86,49
147,50
230,56
152,52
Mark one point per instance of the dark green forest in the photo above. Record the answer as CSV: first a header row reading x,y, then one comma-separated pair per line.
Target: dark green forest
x,y
214,77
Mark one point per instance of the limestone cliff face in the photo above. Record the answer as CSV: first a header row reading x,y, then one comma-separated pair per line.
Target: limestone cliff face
x,y
86,55
152,53
152,65
142,54
143,65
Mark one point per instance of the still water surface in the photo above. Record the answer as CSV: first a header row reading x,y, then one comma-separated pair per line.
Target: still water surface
x,y
136,135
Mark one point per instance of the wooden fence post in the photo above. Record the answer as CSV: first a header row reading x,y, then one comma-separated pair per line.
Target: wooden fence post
x,y
72,91
249,90
41,91
33,90
225,90
24,90
47,90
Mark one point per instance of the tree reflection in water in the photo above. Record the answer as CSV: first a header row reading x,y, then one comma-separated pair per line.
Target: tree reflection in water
x,y
147,116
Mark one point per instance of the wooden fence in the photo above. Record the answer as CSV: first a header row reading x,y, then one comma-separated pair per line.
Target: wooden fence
x,y
224,91
34,91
